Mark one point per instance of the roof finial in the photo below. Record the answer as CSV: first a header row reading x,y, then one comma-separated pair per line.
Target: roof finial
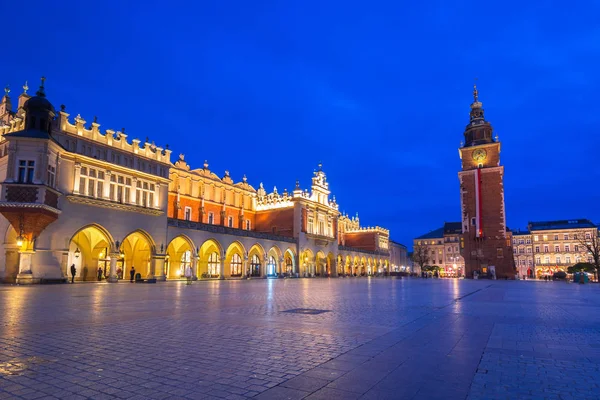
x,y
475,91
25,88
6,90
320,166
40,91
205,164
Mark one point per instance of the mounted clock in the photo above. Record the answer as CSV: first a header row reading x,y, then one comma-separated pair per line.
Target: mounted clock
x,y
479,155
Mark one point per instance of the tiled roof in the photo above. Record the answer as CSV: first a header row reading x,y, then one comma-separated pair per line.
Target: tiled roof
x,y
452,228
563,224
436,234
520,232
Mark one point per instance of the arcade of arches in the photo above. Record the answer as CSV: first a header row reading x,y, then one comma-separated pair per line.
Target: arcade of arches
x,y
96,255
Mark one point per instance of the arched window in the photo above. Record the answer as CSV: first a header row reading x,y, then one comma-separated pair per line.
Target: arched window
x,y
236,265
255,265
213,264
271,266
186,261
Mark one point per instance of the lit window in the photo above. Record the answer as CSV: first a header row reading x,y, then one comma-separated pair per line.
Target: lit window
x,y
546,260
213,264
236,265
568,259
255,265
558,260
536,238
186,261
545,238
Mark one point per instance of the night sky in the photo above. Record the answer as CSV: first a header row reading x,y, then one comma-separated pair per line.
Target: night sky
x,y
379,91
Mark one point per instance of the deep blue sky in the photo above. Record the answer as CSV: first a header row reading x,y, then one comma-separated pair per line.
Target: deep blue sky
x,y
379,91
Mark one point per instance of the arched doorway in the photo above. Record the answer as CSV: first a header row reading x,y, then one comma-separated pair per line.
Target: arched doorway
x,y
356,266
209,265
180,255
307,263
320,264
273,257
137,250
363,266
233,260
255,257
289,262
89,251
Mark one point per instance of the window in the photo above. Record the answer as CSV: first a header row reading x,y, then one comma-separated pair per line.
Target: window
x,y
546,260
538,260
515,250
255,265
91,182
568,259
529,250
230,221
576,248
528,241
473,221
587,234
247,224
26,168
236,265
555,237
272,266
211,218
546,248
536,238
567,248
186,261
213,264
577,259
51,178
556,249
321,227
310,227
590,260
566,236
188,214
545,238
537,249
499,252
521,250
521,241
558,260
144,193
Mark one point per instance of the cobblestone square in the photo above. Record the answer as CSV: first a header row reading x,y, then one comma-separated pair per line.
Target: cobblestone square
x,y
379,339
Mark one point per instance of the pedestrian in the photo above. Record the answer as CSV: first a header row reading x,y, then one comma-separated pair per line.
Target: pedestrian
x,y
73,272
99,274
131,274
188,275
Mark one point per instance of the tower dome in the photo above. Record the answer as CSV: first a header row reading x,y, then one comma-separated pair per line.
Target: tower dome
x,y
39,111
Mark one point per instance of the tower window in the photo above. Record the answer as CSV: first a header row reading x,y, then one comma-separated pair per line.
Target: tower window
x,y
26,168
473,221
480,165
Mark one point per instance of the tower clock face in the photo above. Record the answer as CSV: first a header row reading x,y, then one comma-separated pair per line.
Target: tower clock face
x,y
479,155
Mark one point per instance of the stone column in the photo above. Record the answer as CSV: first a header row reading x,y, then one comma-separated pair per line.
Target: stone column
x,y
245,266
76,188
112,276
156,195
158,267
222,268
25,275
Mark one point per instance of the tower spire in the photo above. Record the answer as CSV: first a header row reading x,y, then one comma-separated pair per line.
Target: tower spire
x,y
25,88
475,92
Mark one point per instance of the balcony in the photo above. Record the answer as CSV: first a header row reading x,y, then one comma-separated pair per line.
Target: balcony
x,y
29,195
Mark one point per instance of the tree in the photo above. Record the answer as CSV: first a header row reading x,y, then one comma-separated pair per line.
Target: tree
x,y
420,255
581,266
588,241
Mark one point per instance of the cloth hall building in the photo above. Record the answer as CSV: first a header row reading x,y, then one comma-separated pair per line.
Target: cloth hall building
x,y
74,195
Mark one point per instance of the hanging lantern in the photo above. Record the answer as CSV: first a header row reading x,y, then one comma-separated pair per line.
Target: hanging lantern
x,y
77,252
20,240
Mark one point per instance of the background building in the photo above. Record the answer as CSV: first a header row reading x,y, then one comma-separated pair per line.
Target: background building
x,y
443,246
399,258
523,253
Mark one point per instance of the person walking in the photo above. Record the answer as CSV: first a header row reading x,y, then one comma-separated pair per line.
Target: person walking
x,y
131,274
99,274
188,275
73,272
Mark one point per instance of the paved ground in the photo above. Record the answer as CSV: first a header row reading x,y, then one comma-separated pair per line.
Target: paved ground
x,y
380,339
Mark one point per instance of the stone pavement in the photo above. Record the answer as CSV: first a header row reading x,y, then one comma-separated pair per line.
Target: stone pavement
x,y
378,339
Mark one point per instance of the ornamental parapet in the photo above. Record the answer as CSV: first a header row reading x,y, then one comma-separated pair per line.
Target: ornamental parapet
x,y
179,223
357,250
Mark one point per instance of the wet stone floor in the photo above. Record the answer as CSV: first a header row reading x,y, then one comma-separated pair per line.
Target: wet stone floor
x,y
345,338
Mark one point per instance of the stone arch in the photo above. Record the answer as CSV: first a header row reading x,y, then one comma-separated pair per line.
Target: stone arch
x,y
9,257
209,259
274,259
137,250
331,264
363,266
306,262
347,267
320,264
371,266
89,250
180,254
289,261
234,260
256,260
356,266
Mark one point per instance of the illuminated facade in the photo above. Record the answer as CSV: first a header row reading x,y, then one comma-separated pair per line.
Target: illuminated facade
x,y
443,245
73,195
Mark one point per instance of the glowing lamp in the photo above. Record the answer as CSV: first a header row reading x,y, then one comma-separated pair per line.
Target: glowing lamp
x,y
20,240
